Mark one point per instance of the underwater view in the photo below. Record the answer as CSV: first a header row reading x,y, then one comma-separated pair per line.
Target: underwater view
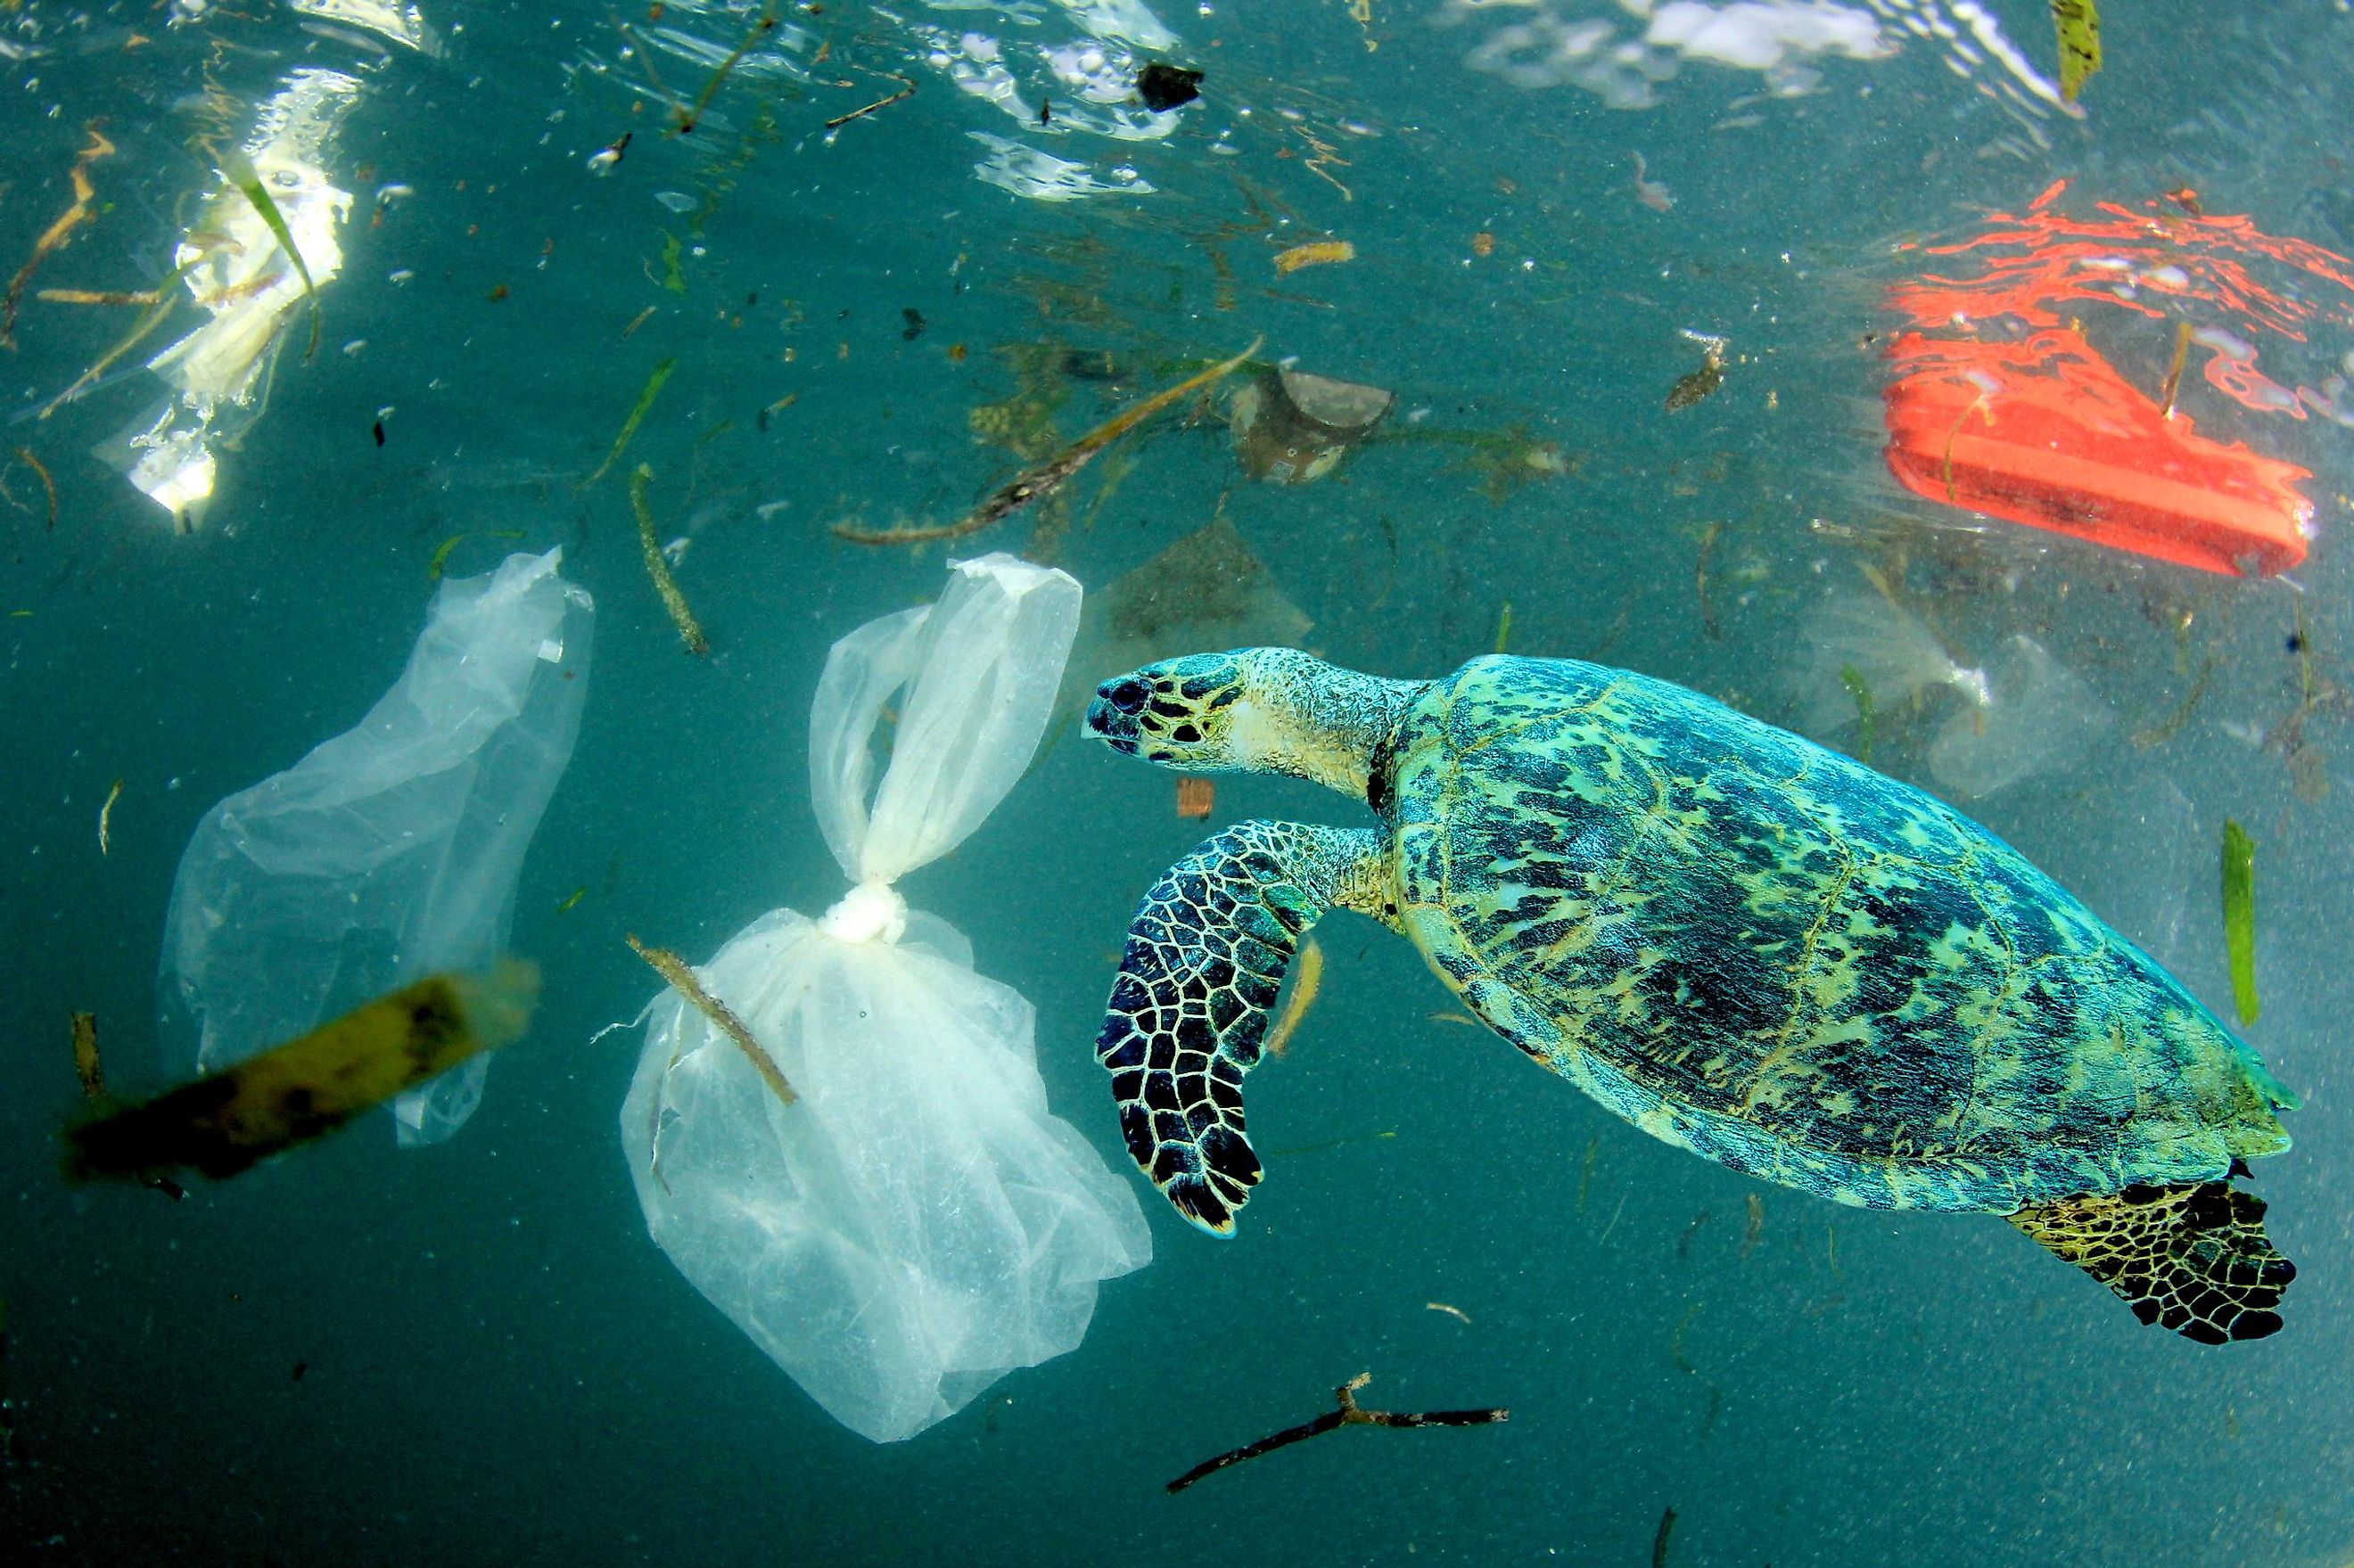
x,y
688,681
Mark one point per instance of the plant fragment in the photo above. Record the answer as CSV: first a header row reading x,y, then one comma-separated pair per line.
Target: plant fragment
x,y
658,566
227,1122
2240,918
240,173
1350,1414
646,397
681,978
1045,477
2078,23
55,237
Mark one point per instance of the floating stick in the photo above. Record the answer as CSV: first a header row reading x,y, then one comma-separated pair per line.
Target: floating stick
x,y
646,397
226,1122
106,814
673,970
1304,986
57,234
2174,370
839,121
1349,1414
97,296
657,567
149,319
761,27
48,487
1043,479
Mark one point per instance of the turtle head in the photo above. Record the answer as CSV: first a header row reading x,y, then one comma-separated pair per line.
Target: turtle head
x,y
1264,710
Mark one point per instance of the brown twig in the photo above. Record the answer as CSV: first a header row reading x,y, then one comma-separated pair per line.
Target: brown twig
x,y
1350,1414
761,26
839,121
646,62
1033,482
97,296
673,970
24,455
57,234
690,630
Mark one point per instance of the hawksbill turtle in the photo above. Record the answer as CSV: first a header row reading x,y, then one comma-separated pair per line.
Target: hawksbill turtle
x,y
1747,945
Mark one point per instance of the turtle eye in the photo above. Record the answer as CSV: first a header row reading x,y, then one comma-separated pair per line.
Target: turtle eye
x,y
1127,694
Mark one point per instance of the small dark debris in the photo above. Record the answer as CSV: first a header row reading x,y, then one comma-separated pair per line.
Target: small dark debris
x,y
498,293
2297,641
169,1188
914,319
760,421
378,429
1164,86
300,1368
1045,111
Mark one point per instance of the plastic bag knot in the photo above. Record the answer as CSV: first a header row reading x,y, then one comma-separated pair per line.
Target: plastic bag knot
x,y
868,912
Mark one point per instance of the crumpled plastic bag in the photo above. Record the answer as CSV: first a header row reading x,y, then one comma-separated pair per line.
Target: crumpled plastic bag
x,y
916,1223
392,851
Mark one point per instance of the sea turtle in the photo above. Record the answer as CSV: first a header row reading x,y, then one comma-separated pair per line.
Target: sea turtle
x,y
1747,945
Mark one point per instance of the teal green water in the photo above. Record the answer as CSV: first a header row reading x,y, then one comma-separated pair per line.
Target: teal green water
x,y
500,1366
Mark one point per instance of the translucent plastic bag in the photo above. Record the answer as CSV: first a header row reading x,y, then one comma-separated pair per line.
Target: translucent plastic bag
x,y
916,1223
392,851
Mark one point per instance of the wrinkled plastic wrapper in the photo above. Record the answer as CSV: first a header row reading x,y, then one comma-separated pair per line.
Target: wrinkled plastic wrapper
x,y
391,851
232,265
916,1223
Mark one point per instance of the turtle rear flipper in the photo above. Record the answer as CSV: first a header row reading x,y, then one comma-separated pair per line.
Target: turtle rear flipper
x,y
1206,954
2192,1257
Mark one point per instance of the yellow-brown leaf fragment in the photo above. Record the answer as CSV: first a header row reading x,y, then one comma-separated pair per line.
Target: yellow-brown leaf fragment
x,y
227,1122
2078,26
1323,253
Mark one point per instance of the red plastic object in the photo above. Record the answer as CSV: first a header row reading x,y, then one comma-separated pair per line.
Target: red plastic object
x,y
1999,404
2045,432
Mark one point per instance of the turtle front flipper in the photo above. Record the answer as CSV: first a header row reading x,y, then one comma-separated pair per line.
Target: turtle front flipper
x,y
1206,957
2192,1257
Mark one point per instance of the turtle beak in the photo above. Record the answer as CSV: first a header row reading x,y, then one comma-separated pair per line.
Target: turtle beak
x,y
1112,716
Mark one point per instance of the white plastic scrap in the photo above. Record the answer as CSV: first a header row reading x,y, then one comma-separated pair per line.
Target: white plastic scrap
x,y
391,851
233,267
916,1223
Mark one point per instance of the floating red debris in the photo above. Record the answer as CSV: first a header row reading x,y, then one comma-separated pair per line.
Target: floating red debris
x,y
2001,404
2045,432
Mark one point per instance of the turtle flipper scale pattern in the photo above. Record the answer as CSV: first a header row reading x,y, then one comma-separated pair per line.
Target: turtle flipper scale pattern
x,y
1205,958
2191,1256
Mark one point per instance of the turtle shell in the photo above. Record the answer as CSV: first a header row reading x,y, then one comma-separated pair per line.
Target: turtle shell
x,y
1765,952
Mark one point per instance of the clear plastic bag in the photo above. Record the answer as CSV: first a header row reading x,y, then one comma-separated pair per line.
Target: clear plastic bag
x,y
392,851
916,1223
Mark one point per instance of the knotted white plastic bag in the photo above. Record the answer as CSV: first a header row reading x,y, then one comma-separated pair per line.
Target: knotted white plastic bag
x,y
392,851
916,1223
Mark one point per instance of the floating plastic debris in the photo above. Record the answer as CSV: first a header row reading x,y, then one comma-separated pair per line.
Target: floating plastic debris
x,y
2037,715
1291,427
1856,637
918,1224
2001,403
392,851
